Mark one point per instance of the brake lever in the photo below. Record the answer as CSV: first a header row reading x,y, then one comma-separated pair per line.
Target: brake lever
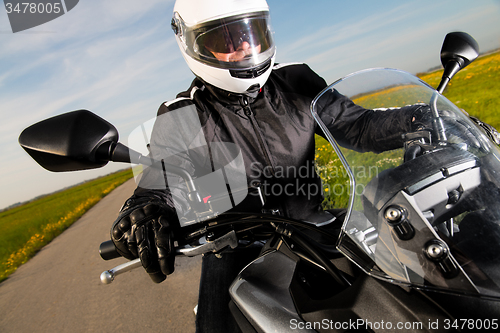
x,y
216,245
108,276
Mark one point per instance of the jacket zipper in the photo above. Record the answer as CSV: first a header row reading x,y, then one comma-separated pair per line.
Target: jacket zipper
x,y
250,114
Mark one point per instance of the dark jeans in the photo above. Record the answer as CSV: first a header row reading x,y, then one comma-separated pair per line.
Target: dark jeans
x,y
217,274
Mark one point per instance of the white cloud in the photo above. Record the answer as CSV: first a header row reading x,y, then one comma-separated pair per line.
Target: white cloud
x,y
403,38
100,55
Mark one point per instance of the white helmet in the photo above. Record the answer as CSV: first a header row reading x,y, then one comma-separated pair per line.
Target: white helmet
x,y
227,43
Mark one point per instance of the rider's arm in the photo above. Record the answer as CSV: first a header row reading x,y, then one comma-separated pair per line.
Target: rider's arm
x,y
363,129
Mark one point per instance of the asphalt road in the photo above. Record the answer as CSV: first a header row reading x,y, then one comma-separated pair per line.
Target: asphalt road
x,y
59,290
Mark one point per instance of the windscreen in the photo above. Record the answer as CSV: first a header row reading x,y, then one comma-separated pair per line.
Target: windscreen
x,y
424,215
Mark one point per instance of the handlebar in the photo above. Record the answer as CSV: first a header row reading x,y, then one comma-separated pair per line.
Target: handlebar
x,y
107,250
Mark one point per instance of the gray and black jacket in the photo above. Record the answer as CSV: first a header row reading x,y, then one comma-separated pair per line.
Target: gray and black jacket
x,y
275,133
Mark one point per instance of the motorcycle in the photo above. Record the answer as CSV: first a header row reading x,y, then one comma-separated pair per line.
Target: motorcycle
x,y
418,249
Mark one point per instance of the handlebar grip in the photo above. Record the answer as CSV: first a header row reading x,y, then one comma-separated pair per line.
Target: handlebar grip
x,y
107,250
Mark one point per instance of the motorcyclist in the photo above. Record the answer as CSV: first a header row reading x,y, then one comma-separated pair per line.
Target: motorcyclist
x,y
240,95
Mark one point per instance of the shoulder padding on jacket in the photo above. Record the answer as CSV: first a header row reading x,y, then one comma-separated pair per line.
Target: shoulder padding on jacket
x,y
182,100
279,66
298,78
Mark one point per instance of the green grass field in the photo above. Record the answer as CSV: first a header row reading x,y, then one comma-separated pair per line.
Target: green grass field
x,y
25,229
475,89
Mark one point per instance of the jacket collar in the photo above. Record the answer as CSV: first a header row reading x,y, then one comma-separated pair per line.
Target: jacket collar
x,y
229,98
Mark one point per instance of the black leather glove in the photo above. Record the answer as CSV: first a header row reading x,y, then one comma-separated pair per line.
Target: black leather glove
x,y
457,130
422,117
143,231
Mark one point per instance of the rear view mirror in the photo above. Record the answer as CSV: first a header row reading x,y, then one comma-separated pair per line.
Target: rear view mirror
x,y
459,50
76,140
459,47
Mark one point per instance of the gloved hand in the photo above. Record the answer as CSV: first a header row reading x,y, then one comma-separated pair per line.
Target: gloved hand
x,y
422,117
455,129
143,231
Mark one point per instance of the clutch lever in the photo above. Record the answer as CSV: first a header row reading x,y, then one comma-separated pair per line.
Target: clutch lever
x,y
214,246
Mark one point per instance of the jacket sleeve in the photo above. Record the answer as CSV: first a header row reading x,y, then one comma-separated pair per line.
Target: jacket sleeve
x,y
363,129
351,125
172,140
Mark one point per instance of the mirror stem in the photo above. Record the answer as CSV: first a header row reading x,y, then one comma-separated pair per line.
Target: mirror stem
x,y
121,153
450,70
437,122
118,152
442,85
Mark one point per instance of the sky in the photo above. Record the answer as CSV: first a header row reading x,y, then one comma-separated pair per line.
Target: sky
x,y
119,59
